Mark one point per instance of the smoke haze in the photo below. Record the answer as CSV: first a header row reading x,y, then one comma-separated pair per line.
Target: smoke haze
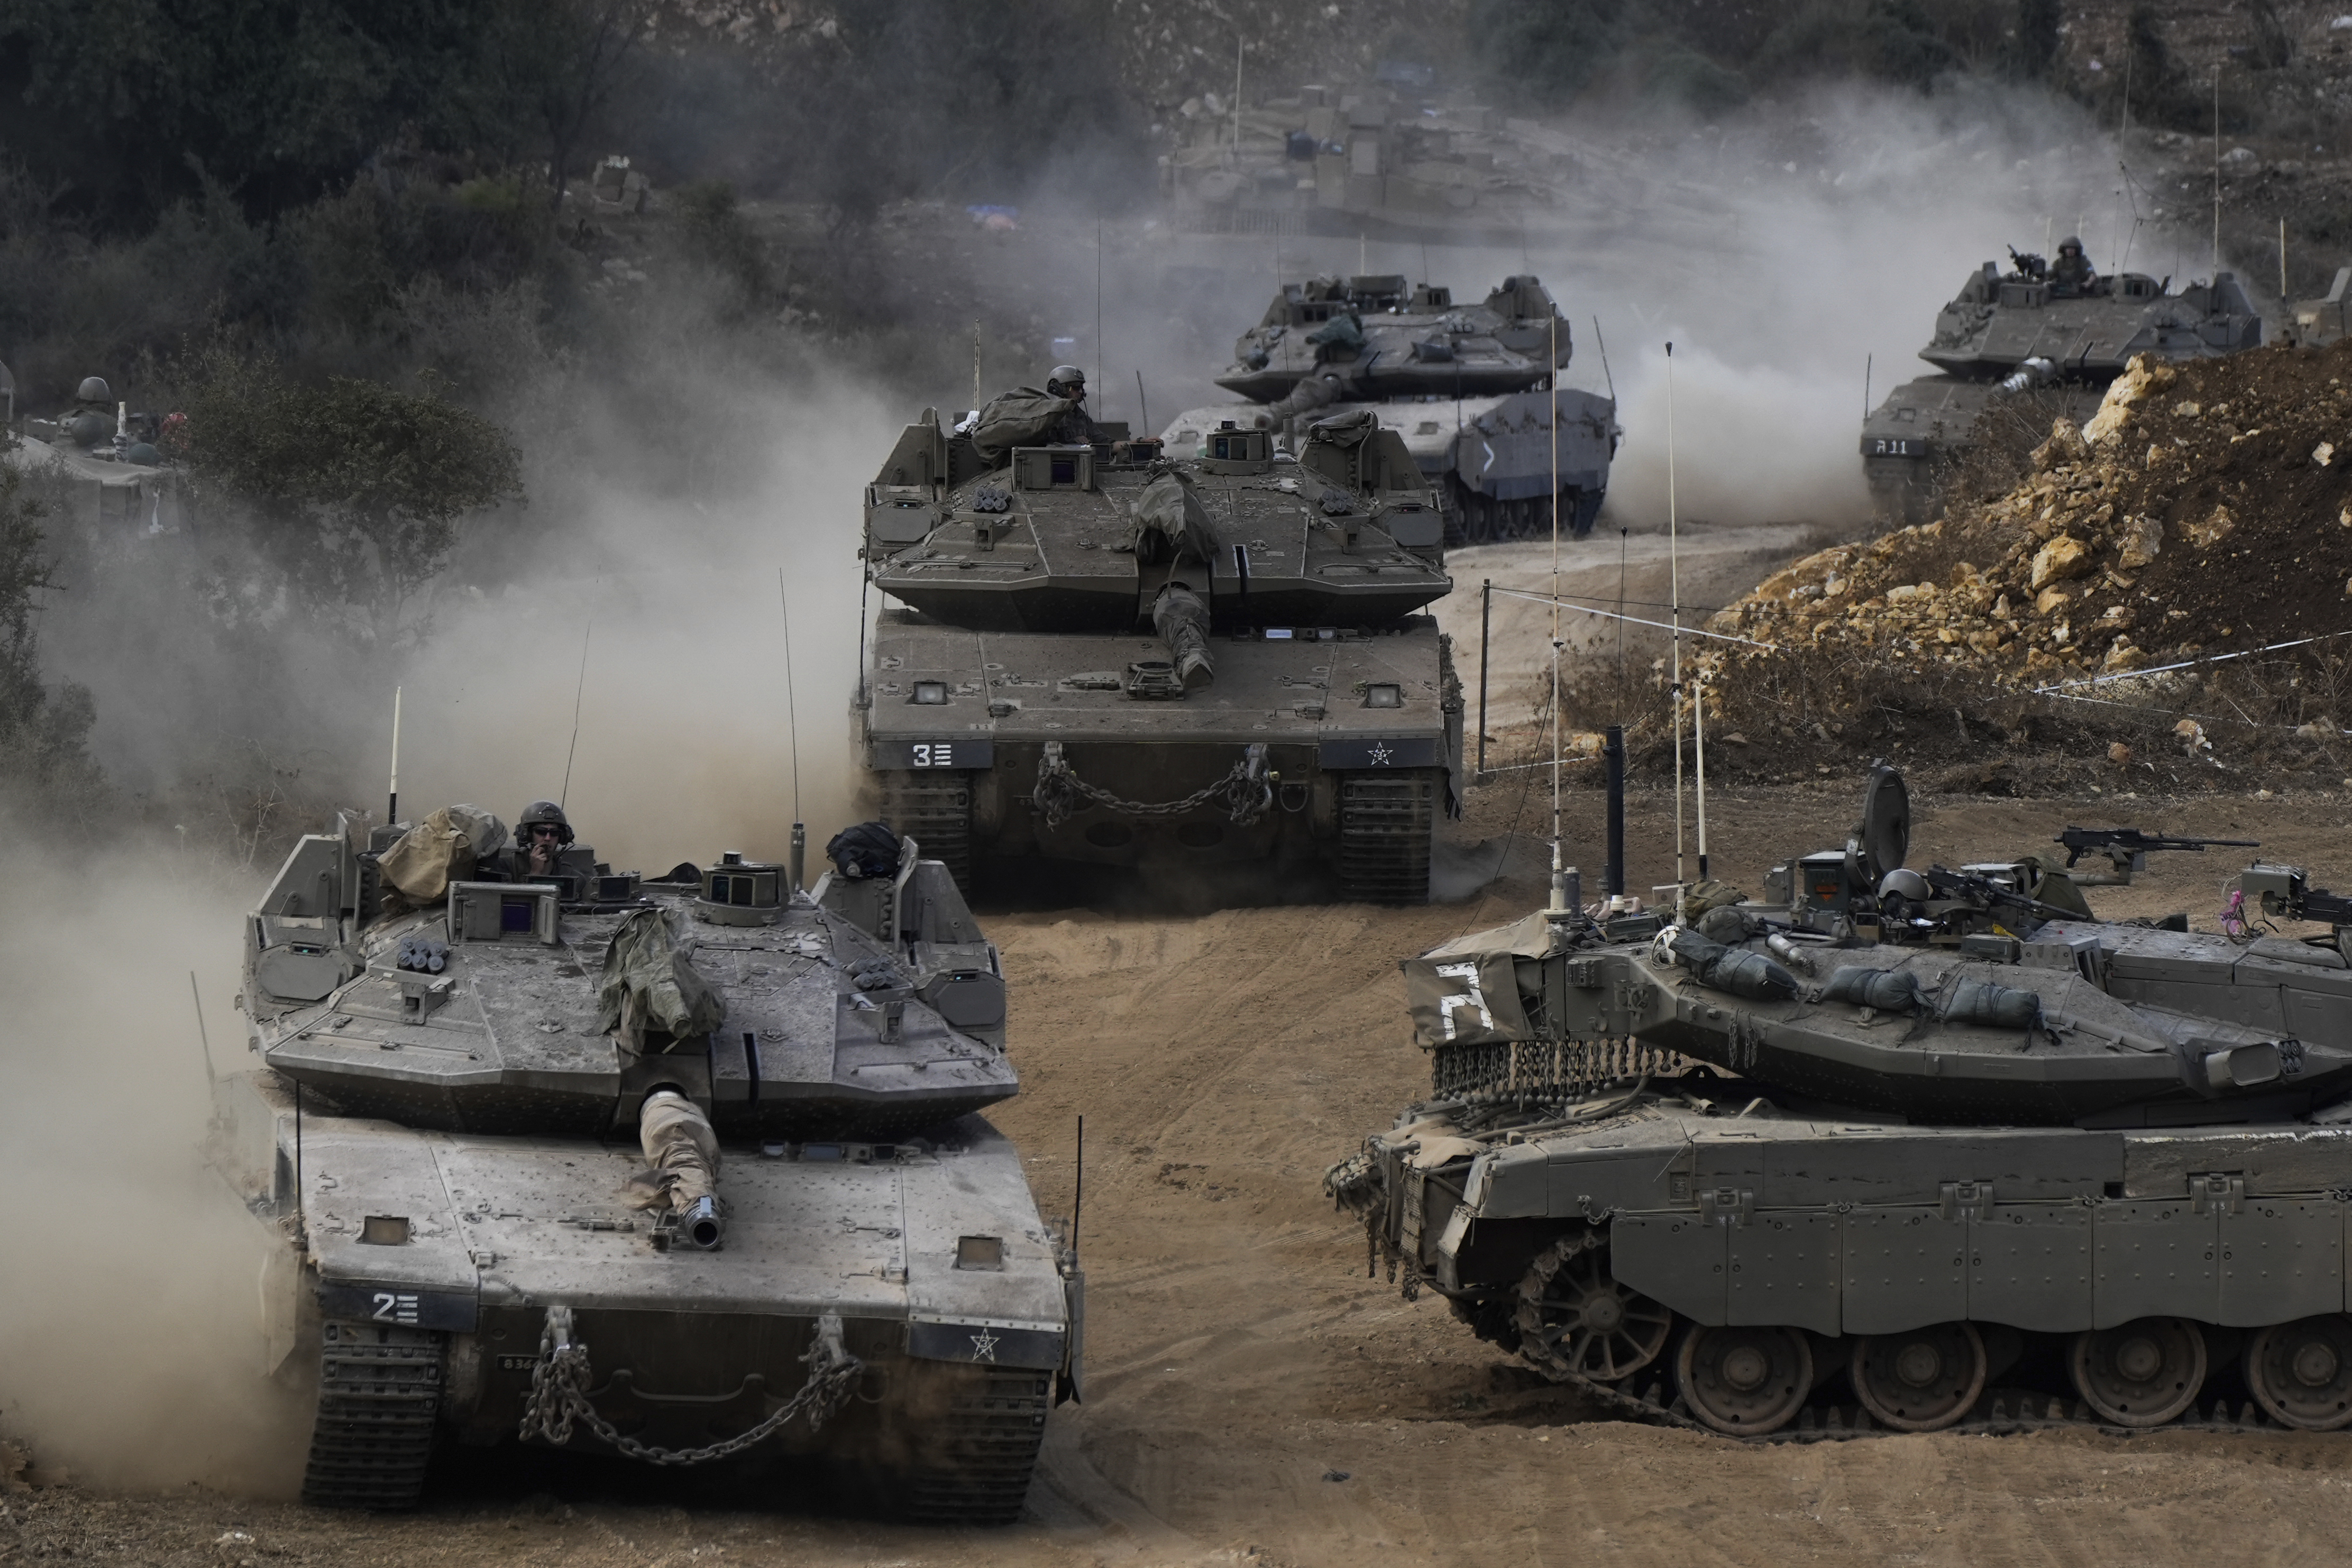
x,y
131,1330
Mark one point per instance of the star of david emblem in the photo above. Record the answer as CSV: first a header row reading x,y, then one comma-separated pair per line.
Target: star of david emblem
x,y
1381,754
984,1346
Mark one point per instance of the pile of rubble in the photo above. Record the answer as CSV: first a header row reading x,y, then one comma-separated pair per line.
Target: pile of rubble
x,y
2203,508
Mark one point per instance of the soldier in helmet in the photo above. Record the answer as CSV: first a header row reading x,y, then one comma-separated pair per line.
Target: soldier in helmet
x,y
1074,427
541,835
2072,273
90,420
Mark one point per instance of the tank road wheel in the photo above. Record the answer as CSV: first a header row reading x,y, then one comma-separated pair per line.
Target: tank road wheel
x,y
935,810
1744,1380
1385,822
1576,1320
379,1397
2142,1374
972,1436
2301,1372
1921,1380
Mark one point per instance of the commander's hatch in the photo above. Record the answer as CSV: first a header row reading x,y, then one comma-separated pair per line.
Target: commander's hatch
x,y
902,503
297,931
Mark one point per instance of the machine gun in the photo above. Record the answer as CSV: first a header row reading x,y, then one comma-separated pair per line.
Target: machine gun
x,y
2283,891
2028,265
2128,848
1961,887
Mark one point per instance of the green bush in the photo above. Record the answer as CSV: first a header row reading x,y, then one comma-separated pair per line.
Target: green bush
x,y
353,489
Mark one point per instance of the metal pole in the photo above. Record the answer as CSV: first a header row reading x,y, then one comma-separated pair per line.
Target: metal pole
x,y
1485,641
2217,172
1698,721
1615,753
1078,1188
391,804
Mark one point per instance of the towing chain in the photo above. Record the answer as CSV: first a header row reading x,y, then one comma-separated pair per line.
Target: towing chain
x,y
1060,793
559,1395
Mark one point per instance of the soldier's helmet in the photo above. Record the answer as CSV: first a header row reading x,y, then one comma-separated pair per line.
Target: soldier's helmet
x,y
94,389
2070,245
1067,381
542,811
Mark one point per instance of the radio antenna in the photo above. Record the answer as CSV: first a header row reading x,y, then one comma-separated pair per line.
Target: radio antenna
x,y
203,1035
392,803
1675,594
564,795
1558,864
793,721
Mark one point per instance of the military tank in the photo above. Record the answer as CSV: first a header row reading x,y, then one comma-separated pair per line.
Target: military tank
x,y
2026,330
689,1169
1104,653
1471,389
1765,1174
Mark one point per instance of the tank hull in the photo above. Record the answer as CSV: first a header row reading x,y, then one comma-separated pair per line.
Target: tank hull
x,y
688,1348
1348,786
1837,1238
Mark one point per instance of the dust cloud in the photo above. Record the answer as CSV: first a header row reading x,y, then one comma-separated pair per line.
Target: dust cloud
x,y
1796,259
130,1331
684,718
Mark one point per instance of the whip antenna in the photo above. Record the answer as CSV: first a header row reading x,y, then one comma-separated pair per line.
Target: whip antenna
x,y
792,722
564,795
1675,594
1559,865
391,804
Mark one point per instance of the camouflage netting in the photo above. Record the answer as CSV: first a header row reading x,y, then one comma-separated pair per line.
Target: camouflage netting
x,y
650,983
1017,419
442,849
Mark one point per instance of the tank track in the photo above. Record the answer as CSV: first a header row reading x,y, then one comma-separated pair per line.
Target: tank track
x,y
1385,823
1997,1413
1643,1395
935,810
379,1400
973,1465
1472,518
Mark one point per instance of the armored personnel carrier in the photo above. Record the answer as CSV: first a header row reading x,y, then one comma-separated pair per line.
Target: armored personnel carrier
x,y
1768,1174
1114,656
2010,332
1471,389
686,1169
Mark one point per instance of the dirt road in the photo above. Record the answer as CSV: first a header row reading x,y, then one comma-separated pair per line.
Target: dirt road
x,y
1255,1399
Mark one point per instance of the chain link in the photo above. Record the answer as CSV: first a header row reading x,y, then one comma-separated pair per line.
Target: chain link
x,y
1246,791
559,1395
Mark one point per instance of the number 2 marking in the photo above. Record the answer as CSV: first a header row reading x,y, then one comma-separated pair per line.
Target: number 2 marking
x,y
395,1307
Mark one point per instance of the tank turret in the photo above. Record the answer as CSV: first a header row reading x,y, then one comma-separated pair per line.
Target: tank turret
x,y
1114,653
2037,327
521,1007
1470,388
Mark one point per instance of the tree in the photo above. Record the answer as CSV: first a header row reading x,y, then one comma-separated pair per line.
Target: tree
x,y
44,730
354,490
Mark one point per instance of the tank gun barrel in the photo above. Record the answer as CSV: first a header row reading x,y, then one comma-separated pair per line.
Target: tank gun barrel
x,y
1182,622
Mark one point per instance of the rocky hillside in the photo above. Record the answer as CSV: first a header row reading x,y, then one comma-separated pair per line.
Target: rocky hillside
x,y
2205,510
